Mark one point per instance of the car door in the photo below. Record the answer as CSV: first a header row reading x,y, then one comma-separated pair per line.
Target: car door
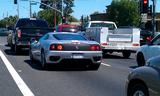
x,y
154,48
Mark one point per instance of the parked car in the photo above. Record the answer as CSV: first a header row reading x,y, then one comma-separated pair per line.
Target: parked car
x,y
59,47
147,51
145,80
145,36
67,28
25,29
4,32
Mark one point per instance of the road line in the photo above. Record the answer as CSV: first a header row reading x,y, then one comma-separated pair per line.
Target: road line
x,y
106,64
20,83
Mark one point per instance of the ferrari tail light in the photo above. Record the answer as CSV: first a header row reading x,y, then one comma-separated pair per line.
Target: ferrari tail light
x,y
19,33
59,47
52,47
56,47
95,48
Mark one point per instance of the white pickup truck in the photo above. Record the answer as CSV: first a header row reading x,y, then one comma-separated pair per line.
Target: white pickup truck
x,y
113,39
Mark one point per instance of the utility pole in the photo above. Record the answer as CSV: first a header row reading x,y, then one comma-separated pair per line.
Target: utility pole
x,y
30,9
18,9
154,17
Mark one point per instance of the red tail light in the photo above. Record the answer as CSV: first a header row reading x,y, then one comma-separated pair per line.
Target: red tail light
x,y
56,47
52,47
104,44
149,38
135,44
59,47
19,33
94,47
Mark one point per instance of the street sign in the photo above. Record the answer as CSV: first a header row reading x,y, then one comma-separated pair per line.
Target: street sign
x,y
144,17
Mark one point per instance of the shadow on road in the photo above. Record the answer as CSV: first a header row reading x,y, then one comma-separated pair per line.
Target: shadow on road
x,y
133,67
20,53
59,67
114,56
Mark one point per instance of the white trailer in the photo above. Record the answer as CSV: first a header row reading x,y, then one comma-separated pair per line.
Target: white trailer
x,y
125,40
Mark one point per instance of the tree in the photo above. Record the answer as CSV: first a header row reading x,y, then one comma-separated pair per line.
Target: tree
x,y
124,12
48,15
8,21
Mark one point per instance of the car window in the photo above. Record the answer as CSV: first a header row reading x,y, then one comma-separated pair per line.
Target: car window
x,y
32,23
110,26
156,41
68,37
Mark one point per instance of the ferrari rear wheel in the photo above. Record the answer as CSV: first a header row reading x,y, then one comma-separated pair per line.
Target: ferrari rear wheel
x,y
43,60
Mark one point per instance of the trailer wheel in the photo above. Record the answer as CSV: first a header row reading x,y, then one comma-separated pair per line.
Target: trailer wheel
x,y
126,54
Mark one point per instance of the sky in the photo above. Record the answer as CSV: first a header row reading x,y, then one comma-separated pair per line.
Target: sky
x,y
81,7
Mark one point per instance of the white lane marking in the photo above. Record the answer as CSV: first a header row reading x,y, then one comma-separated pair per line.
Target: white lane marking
x,y
106,64
20,83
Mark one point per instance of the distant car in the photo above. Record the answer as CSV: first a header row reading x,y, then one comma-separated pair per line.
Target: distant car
x,y
4,32
9,37
59,47
67,28
147,51
145,36
145,80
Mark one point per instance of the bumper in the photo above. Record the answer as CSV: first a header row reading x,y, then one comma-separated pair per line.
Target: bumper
x,y
121,48
23,44
75,56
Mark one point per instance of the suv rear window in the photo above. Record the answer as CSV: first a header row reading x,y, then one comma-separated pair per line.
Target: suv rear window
x,y
31,23
110,26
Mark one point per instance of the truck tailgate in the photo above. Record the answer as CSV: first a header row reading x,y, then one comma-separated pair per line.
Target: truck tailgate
x,y
120,38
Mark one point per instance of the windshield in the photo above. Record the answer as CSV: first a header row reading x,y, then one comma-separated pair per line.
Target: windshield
x,y
68,37
109,25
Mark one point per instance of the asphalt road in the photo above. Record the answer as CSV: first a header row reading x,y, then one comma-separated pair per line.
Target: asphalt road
x,y
107,81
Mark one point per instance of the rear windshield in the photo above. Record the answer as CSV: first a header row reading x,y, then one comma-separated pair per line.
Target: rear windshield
x,y
109,25
68,37
31,23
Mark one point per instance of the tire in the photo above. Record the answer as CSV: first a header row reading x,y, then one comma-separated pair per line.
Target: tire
x,y
16,49
140,59
94,66
31,56
43,60
126,54
138,90
12,47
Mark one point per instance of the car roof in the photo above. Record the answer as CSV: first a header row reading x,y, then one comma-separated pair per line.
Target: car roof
x,y
68,26
101,21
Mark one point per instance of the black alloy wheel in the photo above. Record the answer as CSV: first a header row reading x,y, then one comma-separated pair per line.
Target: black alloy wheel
x,y
138,90
43,60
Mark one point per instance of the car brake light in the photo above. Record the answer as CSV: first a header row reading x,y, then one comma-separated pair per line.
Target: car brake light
x,y
94,47
149,38
56,47
135,44
104,44
59,47
19,33
52,47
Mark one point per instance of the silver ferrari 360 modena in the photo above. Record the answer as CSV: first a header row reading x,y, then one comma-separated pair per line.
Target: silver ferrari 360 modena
x,y
61,47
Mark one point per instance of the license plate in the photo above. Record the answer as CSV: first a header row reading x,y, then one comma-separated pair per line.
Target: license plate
x,y
77,56
113,44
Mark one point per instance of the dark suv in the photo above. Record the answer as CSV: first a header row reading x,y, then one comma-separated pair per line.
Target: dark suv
x,y
25,29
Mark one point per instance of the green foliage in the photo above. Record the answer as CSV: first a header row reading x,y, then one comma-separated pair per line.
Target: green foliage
x,y
124,12
8,21
48,15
